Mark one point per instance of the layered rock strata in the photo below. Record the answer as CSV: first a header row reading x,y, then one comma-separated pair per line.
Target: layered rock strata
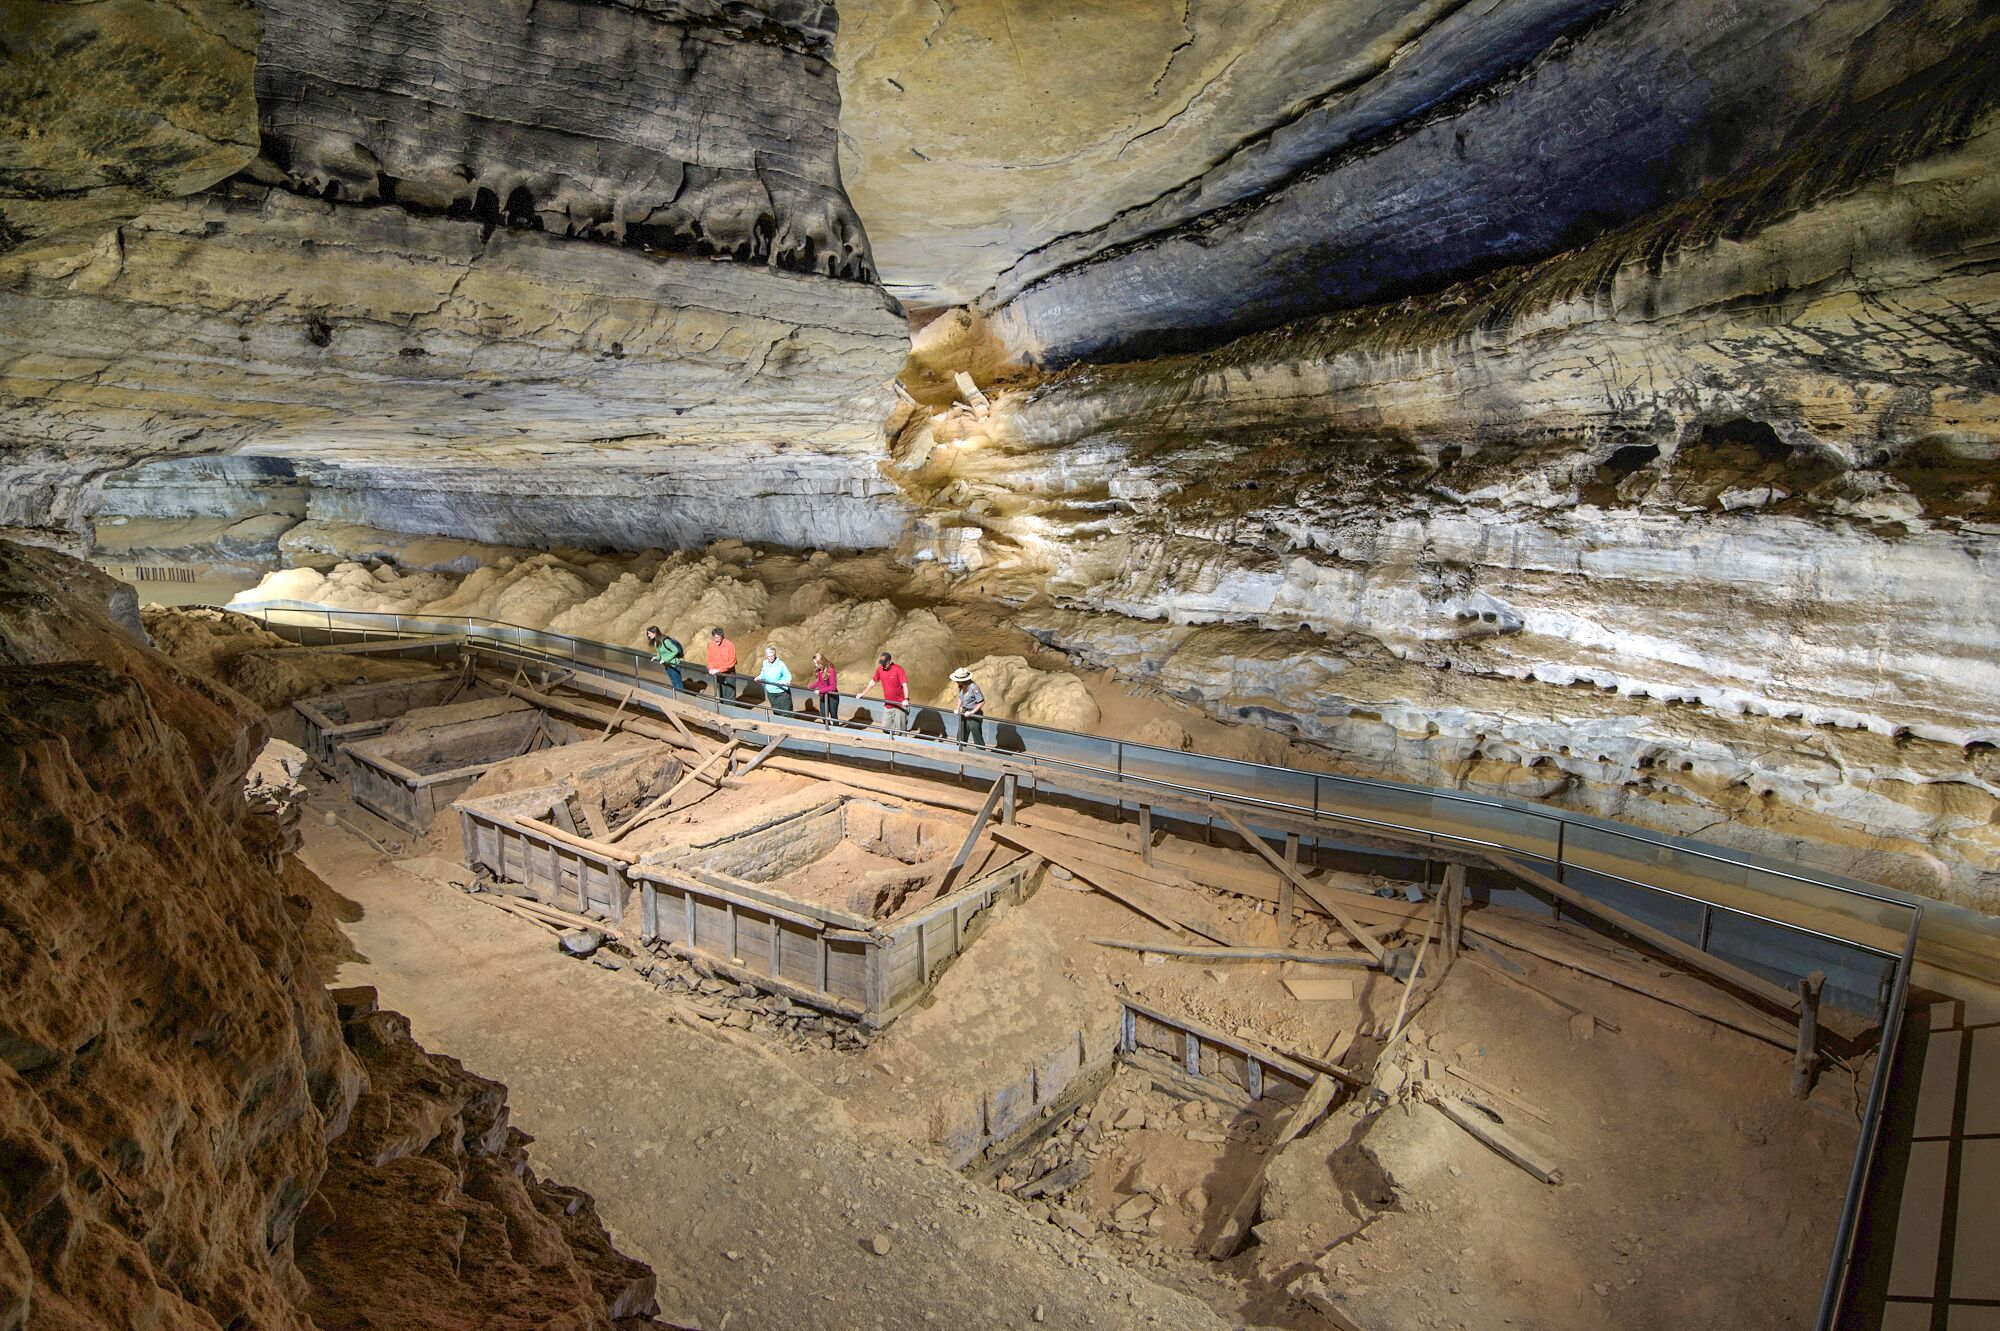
x,y
408,368
192,1139
676,127
1681,527
108,108
1388,191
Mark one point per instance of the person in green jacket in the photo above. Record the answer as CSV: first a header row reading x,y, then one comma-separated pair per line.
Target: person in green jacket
x,y
776,677
667,652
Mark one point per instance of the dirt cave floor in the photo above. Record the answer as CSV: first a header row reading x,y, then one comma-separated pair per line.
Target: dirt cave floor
x,y
1695,1192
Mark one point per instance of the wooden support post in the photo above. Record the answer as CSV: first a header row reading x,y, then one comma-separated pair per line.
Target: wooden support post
x,y
1454,911
1287,907
1146,833
1804,1061
942,882
1347,922
1007,800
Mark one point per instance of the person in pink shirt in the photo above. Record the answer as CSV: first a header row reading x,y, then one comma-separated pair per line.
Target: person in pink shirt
x,y
722,664
895,694
826,688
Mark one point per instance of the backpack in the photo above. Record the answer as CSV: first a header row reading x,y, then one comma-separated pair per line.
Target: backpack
x,y
669,640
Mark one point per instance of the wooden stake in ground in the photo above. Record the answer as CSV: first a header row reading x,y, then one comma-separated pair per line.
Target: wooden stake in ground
x,y
1318,1099
658,804
616,713
1499,1139
1292,875
1804,1059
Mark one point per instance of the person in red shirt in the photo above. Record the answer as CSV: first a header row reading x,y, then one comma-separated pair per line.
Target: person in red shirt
x,y
895,694
826,688
721,664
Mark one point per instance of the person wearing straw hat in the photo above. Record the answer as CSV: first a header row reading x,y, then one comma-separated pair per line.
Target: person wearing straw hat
x,y
971,709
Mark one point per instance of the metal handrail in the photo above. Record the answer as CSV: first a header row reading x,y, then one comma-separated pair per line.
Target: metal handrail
x,y
1895,1000
1556,818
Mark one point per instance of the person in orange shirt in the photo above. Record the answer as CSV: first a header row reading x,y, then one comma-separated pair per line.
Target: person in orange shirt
x,y
722,664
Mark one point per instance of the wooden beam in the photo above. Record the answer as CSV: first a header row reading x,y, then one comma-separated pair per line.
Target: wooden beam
x,y
769,748
658,804
613,724
1538,990
1244,953
1403,1003
1743,1018
1347,922
1499,1139
1236,1225
1125,888
1287,908
1804,1057
1727,973
939,883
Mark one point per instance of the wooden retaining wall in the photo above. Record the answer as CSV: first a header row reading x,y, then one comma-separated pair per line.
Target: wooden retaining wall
x,y
864,970
411,799
347,716
503,836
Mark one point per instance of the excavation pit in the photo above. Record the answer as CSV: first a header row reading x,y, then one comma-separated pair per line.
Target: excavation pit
x,y
410,774
347,716
840,901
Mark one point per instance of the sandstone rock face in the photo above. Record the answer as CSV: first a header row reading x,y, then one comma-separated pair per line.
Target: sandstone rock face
x,y
172,1071
658,124
1416,178
108,108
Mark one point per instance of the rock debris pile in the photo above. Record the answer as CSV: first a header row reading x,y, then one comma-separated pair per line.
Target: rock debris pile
x,y
194,1135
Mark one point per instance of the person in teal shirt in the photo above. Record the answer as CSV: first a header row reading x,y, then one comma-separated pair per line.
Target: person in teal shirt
x,y
776,677
667,652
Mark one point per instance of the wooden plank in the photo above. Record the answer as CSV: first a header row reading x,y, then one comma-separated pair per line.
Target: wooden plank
x,y
550,832
1244,953
658,804
1236,1225
1403,1004
1121,887
1741,1017
1296,1067
1727,973
940,882
1496,1092
1497,1138
611,726
769,748
1287,909
1525,983
593,814
1346,921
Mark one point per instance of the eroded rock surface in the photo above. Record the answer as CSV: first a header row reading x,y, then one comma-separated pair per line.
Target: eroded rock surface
x,y
1677,527
177,1090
